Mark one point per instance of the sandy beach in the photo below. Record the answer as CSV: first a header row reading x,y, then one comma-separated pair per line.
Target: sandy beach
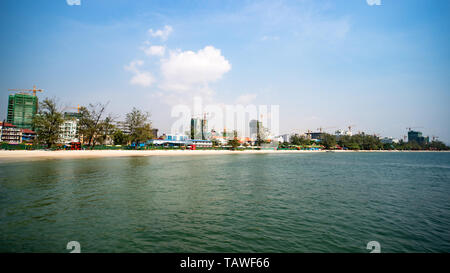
x,y
36,155
42,154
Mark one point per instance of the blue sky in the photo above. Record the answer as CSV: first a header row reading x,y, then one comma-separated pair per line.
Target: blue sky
x,y
326,63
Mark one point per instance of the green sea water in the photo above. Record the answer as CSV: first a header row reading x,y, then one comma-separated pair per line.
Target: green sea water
x,y
322,202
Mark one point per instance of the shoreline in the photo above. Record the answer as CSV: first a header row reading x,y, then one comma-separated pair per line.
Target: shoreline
x,y
6,156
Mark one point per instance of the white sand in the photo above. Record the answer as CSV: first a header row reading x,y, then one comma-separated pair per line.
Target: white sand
x,y
121,153
40,154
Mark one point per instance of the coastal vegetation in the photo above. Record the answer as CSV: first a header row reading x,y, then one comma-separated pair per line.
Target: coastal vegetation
x,y
47,122
234,143
97,127
94,124
139,126
363,141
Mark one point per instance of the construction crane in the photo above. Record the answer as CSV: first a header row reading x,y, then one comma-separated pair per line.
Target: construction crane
x,y
409,128
320,129
34,90
350,127
78,108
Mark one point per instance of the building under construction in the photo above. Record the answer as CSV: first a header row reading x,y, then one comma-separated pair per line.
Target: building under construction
x,y
199,128
21,110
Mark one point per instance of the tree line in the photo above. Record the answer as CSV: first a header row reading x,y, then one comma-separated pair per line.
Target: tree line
x,y
95,126
364,141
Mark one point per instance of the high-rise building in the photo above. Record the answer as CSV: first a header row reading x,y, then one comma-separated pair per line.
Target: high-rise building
x,y
155,132
199,129
254,126
415,136
21,110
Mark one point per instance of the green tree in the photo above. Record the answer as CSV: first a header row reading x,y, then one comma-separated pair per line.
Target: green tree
x,y
344,141
299,140
48,121
437,145
215,143
120,138
234,143
259,139
329,141
192,133
93,124
371,142
139,126
353,146
107,130
283,145
388,146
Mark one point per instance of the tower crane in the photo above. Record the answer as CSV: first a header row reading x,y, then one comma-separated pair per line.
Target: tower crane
x,y
350,127
78,108
320,129
409,128
34,90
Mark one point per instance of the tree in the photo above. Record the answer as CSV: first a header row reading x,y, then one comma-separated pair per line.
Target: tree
x,y
48,122
139,126
120,138
215,143
283,145
437,145
299,140
329,141
107,129
344,141
192,133
353,146
93,124
258,134
234,143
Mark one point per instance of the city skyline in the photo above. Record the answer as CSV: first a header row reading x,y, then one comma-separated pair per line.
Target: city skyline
x,y
326,64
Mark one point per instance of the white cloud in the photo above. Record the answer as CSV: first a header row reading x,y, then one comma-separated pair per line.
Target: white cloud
x,y
155,50
133,66
161,33
185,70
374,2
245,99
142,78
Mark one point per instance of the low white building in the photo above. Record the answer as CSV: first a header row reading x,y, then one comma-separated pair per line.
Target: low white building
x,y
69,131
180,140
340,132
282,138
389,140
9,133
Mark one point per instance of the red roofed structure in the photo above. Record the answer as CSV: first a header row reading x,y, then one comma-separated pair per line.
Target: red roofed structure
x,y
10,133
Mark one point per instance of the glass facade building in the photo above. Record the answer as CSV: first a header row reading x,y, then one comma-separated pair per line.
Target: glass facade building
x,y
21,110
